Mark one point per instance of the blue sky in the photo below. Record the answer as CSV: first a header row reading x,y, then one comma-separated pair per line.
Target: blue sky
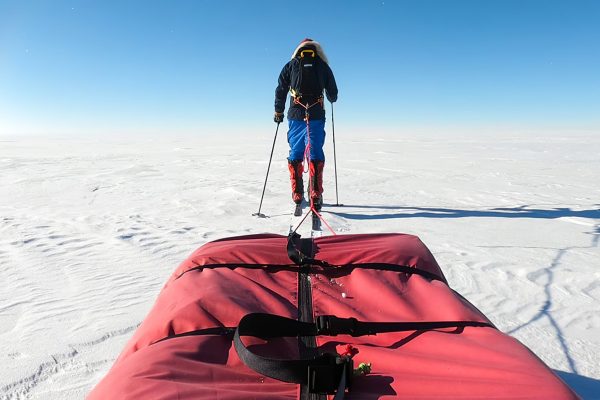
x,y
193,66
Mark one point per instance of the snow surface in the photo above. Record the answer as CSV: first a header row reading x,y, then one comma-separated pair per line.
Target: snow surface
x,y
90,229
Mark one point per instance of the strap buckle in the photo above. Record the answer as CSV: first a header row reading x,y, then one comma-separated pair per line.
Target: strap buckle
x,y
330,325
334,374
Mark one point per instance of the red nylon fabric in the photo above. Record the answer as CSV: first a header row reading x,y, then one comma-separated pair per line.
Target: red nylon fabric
x,y
472,363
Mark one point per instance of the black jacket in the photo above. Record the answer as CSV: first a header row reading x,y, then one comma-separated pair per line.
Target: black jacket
x,y
289,74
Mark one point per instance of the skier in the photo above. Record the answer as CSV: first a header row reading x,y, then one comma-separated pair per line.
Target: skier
x,y
306,76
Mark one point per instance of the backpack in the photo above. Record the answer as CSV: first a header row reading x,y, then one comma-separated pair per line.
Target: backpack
x,y
306,82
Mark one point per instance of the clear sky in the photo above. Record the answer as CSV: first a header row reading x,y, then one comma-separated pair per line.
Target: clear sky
x,y
192,66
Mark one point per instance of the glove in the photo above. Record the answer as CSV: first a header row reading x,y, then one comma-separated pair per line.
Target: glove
x,y
278,117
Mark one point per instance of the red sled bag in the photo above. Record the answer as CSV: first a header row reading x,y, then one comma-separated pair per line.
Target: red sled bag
x,y
347,316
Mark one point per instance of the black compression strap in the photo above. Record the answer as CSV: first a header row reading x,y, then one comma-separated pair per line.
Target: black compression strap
x,y
218,331
301,259
269,267
330,325
328,269
381,267
267,326
322,373
325,372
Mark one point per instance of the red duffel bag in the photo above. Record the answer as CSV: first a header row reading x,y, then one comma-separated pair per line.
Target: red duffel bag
x,y
347,316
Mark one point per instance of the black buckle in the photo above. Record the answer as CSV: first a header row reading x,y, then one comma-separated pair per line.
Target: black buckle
x,y
330,325
326,378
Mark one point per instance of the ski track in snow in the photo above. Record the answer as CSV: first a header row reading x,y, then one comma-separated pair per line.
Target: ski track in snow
x,y
91,229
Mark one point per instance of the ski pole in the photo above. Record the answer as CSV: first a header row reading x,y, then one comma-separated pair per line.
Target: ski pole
x,y
337,204
258,214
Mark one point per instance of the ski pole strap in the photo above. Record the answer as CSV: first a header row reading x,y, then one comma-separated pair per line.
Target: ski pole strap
x,y
326,373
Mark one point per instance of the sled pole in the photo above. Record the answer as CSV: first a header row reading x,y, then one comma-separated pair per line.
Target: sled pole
x,y
337,202
258,213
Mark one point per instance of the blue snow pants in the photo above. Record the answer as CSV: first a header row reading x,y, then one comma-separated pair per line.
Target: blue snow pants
x,y
297,139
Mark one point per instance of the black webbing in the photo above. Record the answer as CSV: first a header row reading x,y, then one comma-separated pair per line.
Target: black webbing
x,y
297,256
267,326
331,269
340,269
330,325
220,330
265,266
322,373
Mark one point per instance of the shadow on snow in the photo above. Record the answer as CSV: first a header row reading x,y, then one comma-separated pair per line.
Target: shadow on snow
x,y
586,387
439,212
545,311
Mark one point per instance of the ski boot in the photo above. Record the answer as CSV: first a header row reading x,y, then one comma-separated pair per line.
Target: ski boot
x,y
295,167
316,183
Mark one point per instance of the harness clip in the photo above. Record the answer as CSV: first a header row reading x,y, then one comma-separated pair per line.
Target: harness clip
x,y
330,325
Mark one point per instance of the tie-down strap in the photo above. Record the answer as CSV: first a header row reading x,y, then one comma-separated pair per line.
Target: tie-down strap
x,y
304,261
327,372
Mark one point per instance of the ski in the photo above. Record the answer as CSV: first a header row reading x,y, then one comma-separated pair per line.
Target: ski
x,y
315,233
316,222
295,220
298,218
298,210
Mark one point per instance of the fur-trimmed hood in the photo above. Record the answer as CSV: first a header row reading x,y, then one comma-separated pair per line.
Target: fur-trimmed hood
x,y
317,45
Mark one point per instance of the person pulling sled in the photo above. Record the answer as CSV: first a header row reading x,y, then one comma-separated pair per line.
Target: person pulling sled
x,y
306,76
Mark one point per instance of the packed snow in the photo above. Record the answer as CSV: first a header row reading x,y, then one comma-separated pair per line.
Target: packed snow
x,y
90,229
